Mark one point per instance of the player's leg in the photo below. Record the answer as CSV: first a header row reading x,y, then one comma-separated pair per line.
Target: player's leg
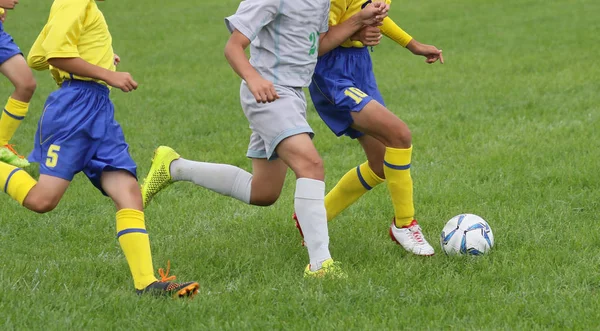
x,y
113,171
377,121
17,106
39,196
359,180
336,95
299,153
261,188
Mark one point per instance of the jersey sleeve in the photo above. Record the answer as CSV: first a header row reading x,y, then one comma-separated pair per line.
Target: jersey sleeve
x,y
391,30
64,29
36,59
336,11
252,16
325,22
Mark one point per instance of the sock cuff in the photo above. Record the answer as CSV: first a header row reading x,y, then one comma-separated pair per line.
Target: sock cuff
x,y
16,107
130,220
398,159
307,188
369,176
18,184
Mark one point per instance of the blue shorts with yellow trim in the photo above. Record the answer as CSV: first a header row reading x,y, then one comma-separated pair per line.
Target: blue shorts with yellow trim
x,y
343,82
8,48
78,132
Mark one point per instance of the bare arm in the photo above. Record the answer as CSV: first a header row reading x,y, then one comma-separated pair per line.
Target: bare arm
x,y
80,67
337,34
8,4
430,52
372,15
262,89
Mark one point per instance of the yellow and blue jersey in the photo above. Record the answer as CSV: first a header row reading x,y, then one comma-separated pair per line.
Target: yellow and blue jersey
x,y
75,28
77,131
342,10
344,81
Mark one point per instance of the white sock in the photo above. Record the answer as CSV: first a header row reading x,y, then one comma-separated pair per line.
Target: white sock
x,y
221,178
309,203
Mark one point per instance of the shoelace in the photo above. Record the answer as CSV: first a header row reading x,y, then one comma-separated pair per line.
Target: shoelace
x,y
164,276
416,233
12,149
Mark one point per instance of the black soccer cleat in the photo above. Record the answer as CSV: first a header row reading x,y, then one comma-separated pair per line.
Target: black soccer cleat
x,y
179,290
164,286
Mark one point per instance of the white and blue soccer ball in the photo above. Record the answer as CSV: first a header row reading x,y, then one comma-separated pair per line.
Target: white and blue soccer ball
x,y
467,234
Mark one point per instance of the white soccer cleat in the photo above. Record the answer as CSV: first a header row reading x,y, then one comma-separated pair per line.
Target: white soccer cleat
x,y
411,238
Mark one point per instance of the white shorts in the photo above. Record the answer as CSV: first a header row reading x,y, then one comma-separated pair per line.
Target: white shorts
x,y
272,122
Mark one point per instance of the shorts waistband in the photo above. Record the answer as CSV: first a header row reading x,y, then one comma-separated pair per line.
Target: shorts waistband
x,y
351,50
85,84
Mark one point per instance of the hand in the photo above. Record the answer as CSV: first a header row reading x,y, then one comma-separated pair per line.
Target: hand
x,y
3,16
430,52
8,4
122,80
374,13
262,89
368,36
117,60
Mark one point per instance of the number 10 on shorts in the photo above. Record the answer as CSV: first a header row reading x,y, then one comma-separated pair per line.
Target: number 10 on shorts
x,y
356,94
52,158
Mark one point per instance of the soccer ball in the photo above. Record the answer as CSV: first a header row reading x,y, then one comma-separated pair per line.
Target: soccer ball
x,y
467,234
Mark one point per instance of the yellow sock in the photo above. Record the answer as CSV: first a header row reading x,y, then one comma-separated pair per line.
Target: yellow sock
x,y
16,182
13,114
397,173
352,186
132,235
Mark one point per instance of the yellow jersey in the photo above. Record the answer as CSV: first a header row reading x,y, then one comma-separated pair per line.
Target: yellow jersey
x,y
75,28
342,10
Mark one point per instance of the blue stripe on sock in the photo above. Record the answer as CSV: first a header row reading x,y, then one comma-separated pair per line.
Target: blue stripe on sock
x,y
18,118
397,167
362,180
8,178
126,231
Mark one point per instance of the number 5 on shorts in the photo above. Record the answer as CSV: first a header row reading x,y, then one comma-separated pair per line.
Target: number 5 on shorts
x,y
356,94
52,158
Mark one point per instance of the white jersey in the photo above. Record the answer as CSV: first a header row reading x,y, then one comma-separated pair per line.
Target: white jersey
x,y
285,37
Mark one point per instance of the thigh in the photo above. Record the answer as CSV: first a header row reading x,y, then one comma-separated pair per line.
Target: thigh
x,y
16,70
46,194
377,121
300,154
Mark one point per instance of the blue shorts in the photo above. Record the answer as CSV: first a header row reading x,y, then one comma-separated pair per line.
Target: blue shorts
x,y
8,48
78,132
343,83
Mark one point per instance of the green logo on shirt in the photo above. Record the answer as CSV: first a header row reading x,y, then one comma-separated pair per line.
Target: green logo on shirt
x,y
313,38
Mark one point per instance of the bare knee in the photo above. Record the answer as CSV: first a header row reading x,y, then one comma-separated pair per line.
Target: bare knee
x,y
41,204
310,167
264,200
26,88
398,136
130,197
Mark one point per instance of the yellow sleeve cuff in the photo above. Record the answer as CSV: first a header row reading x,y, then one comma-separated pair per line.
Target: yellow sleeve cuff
x,y
394,32
62,54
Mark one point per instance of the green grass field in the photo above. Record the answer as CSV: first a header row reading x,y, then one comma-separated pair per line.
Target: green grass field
x,y
508,128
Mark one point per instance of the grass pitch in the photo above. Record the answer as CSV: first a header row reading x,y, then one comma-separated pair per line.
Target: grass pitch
x,y
508,129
